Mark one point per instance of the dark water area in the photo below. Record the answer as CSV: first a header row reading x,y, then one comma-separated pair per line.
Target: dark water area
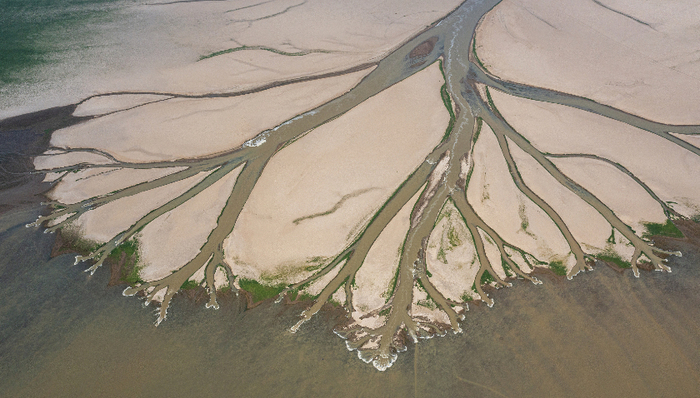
x,y
65,333
21,138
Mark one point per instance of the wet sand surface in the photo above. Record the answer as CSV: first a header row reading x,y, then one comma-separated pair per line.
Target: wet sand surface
x,y
63,333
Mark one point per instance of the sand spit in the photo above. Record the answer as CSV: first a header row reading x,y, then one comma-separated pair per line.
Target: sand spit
x,y
356,155
89,183
105,222
376,277
55,159
585,49
185,127
451,256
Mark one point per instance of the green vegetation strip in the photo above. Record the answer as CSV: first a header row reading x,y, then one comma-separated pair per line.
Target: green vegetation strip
x,y
614,259
667,229
261,48
259,291
447,101
190,285
558,268
476,56
131,271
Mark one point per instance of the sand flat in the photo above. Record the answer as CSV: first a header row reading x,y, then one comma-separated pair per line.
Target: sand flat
x,y
656,161
112,103
187,127
584,49
89,183
176,236
147,51
502,206
354,155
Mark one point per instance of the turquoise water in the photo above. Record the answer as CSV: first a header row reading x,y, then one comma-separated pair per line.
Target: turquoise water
x,y
36,32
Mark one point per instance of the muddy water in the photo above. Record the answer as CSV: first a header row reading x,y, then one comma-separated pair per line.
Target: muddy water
x,y
64,333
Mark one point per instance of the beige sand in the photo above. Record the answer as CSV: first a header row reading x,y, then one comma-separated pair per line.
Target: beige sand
x,y
366,153
112,103
246,70
105,222
158,47
94,182
584,49
181,127
176,237
656,161
501,205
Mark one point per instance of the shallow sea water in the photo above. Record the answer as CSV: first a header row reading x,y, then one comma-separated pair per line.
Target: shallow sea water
x,y
65,333
34,31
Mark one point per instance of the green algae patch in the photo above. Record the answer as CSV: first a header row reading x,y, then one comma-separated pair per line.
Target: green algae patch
x,y
131,274
189,285
614,259
258,291
123,260
558,268
486,278
69,240
127,256
225,289
295,295
130,248
667,229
